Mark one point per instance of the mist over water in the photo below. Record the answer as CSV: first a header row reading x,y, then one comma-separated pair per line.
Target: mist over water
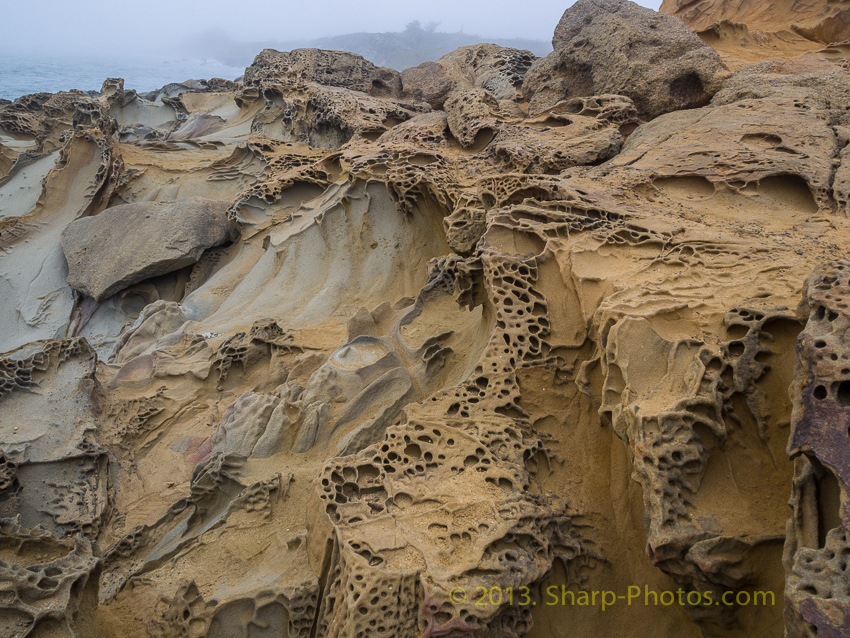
x,y
21,75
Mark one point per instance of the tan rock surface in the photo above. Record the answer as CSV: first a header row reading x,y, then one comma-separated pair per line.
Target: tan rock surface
x,y
826,21
748,31
504,347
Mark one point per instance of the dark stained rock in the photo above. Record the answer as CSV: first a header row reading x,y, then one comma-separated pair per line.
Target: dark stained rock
x,y
129,243
818,541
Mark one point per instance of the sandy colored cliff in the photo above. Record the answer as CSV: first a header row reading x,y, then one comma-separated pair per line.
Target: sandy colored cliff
x,y
747,31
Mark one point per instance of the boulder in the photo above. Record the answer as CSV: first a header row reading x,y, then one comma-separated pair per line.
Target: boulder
x,y
128,243
470,113
329,68
497,70
616,46
427,82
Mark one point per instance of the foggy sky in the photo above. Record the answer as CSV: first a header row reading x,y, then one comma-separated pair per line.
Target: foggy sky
x,y
123,28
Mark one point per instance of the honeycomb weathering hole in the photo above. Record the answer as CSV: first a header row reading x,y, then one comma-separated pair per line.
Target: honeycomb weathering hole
x,y
688,90
842,393
791,190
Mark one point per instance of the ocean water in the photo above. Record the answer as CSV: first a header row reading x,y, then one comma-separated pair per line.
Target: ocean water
x,y
21,75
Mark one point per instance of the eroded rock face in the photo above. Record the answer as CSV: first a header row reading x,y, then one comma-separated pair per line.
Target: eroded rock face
x,y
459,341
60,472
40,115
824,21
747,32
498,70
817,586
50,584
616,46
323,116
130,243
800,158
329,68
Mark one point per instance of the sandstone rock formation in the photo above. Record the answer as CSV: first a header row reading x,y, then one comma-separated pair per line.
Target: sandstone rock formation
x,y
493,324
817,588
822,20
129,243
608,46
498,70
329,68
749,31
